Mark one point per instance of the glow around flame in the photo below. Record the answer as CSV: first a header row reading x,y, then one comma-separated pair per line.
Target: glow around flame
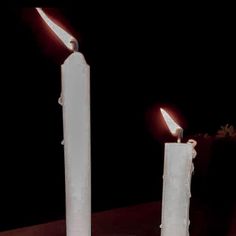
x,y
65,37
172,125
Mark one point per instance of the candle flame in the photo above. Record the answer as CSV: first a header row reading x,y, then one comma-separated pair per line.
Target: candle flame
x,y
172,125
65,37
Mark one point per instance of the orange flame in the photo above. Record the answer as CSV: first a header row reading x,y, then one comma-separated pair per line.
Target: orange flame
x,y
65,37
172,125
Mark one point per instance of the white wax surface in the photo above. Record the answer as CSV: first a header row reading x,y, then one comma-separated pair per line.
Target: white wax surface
x,y
176,189
76,126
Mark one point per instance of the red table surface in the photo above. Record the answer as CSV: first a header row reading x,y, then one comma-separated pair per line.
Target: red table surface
x,y
140,220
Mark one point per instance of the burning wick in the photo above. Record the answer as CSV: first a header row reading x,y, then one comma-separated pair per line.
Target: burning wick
x,y
174,128
179,134
74,45
69,41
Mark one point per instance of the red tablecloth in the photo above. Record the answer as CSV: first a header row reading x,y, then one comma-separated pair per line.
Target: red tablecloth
x,y
139,220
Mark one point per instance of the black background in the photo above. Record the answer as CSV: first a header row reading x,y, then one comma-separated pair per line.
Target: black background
x,y
140,58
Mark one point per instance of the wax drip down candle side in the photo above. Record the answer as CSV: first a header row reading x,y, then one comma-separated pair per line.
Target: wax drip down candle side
x,y
75,101
178,169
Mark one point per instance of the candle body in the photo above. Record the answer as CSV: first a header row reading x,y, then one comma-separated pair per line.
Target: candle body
x,y
76,128
178,169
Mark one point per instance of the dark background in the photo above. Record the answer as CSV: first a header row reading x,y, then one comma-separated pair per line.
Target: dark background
x,y
140,59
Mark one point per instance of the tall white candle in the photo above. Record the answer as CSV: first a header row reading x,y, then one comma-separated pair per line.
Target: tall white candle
x,y
76,123
177,174
75,99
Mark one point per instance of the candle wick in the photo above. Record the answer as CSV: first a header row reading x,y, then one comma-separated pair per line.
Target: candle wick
x,y
75,45
179,133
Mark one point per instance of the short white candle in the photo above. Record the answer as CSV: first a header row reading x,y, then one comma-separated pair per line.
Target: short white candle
x,y
75,99
177,174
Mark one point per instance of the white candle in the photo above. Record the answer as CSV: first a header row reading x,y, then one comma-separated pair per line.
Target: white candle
x,y
76,123
75,99
177,174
